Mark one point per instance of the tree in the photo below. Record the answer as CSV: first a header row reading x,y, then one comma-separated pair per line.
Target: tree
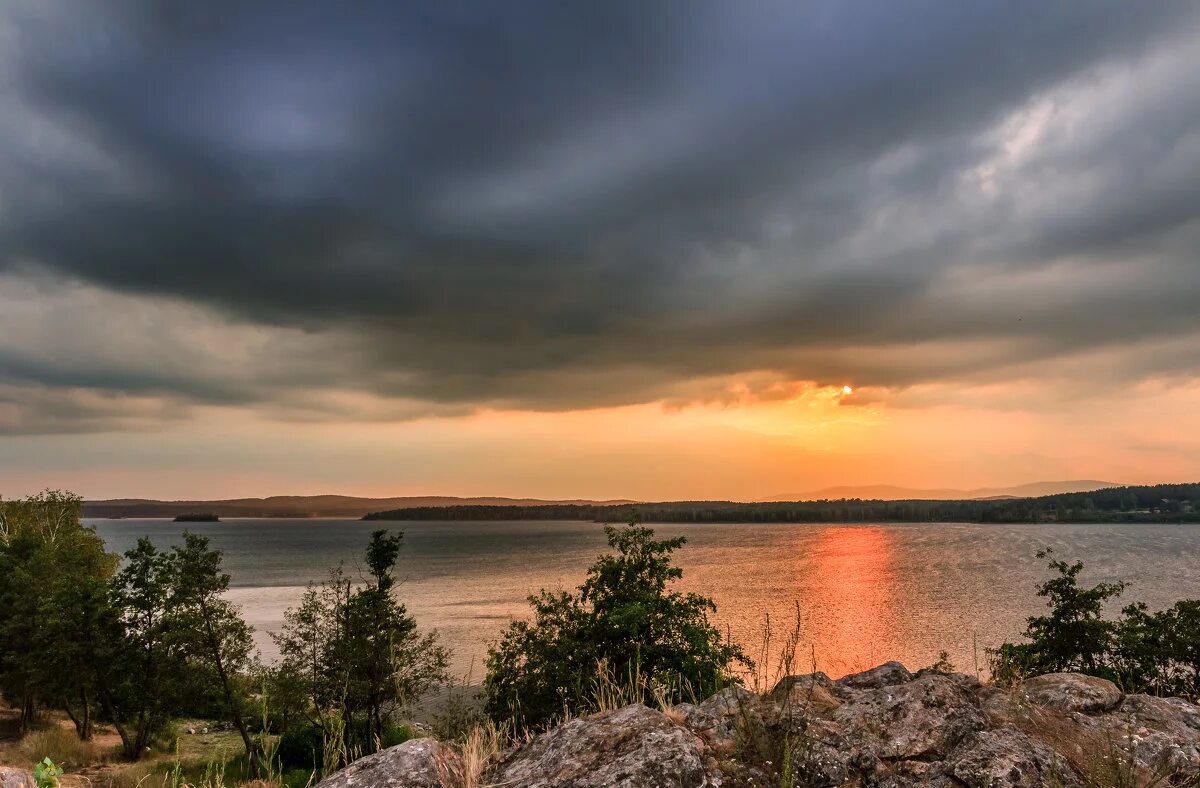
x,y
142,691
53,595
1075,636
210,631
623,620
355,649
388,662
307,678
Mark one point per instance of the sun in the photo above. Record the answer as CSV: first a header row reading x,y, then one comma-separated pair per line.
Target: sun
x,y
847,390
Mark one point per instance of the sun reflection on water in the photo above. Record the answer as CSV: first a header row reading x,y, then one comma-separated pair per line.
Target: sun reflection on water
x,y
853,574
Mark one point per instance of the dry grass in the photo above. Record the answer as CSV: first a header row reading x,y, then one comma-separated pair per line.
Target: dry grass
x,y
481,745
61,746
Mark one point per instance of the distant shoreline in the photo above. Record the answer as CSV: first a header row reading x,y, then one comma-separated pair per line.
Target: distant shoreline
x,y
1166,503
1174,503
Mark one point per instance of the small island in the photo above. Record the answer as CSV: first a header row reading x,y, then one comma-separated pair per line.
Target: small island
x,y
197,517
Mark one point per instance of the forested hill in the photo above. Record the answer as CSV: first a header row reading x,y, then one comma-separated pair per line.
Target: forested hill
x,y
1171,503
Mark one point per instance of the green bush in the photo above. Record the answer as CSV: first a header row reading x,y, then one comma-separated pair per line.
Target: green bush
x,y
622,626
396,734
1143,651
301,747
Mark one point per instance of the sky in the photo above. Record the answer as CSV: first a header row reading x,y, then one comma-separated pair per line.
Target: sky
x,y
620,249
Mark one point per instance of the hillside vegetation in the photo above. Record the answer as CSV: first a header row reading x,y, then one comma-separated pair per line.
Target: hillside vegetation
x,y
1160,503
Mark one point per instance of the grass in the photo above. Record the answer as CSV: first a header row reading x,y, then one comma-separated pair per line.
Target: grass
x,y
61,746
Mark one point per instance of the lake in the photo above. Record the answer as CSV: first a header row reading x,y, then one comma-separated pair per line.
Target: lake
x,y
866,593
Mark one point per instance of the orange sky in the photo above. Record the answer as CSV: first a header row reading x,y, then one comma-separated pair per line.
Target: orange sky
x,y
928,436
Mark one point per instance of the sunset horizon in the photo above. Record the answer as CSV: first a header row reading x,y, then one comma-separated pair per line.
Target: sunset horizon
x,y
722,256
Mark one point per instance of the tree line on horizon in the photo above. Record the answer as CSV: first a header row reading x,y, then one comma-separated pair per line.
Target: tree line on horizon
x,y
1161,503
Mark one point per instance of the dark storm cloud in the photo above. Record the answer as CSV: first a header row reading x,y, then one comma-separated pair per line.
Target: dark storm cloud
x,y
559,205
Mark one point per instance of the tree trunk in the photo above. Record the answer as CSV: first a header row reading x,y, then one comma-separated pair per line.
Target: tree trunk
x,y
87,714
234,712
110,708
28,712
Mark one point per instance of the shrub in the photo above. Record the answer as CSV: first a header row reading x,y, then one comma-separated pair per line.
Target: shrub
x,y
1073,637
302,747
1144,651
395,734
46,773
623,622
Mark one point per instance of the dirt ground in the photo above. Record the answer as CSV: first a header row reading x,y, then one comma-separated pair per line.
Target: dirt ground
x,y
98,763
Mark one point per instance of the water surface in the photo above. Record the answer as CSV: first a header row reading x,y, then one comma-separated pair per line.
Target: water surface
x,y
866,593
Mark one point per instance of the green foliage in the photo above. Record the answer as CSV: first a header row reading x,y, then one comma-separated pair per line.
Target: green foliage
x,y
46,774
301,747
53,591
209,632
351,655
1144,651
622,621
1074,636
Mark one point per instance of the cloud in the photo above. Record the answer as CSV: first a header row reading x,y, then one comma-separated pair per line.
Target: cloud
x,y
423,209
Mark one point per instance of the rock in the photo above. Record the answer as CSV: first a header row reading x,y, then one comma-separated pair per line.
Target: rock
x,y
12,777
1073,692
818,758
631,747
1173,715
1007,758
1161,734
920,720
886,675
417,763
813,693
718,719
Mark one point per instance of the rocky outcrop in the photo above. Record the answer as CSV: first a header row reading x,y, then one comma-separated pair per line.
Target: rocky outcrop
x,y
632,746
1073,692
418,763
11,777
1007,757
884,727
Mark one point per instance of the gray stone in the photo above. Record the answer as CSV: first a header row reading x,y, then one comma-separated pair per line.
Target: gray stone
x,y
886,675
417,763
719,718
1161,734
920,720
12,777
1007,758
1073,692
812,693
631,747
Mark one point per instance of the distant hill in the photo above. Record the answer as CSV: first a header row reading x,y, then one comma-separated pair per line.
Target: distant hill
x,y
889,492
1160,503
306,505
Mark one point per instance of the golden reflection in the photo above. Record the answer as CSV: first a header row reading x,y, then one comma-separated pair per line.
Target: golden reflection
x,y
855,585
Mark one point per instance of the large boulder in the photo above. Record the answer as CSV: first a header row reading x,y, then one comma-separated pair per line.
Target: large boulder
x,y
12,777
631,747
886,675
920,720
1073,692
418,763
1007,758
